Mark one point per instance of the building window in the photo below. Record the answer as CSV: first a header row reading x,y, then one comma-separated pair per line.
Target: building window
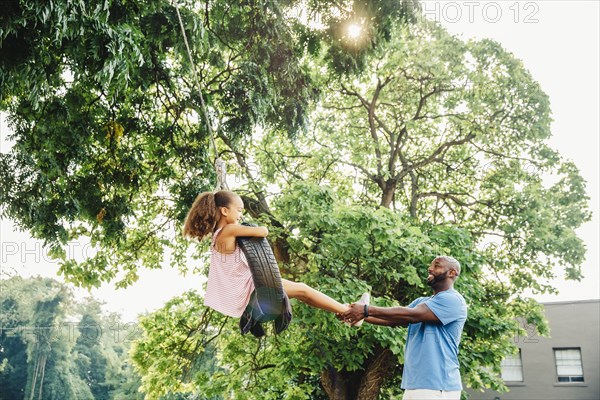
x,y
568,365
512,368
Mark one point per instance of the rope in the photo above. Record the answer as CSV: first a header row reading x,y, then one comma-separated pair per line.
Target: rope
x,y
221,169
220,166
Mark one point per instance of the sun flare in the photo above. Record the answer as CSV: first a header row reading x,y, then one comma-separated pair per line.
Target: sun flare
x,y
354,31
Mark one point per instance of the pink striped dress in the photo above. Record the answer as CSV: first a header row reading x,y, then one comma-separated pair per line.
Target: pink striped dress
x,y
230,282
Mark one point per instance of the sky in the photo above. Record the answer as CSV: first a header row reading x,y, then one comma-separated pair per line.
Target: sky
x,y
558,42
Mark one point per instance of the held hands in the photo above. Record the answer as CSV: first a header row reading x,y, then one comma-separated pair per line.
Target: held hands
x,y
353,315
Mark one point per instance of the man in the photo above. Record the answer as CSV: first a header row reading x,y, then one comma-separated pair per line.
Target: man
x,y
435,323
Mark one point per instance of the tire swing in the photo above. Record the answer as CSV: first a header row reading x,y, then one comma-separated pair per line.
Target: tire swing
x,y
268,302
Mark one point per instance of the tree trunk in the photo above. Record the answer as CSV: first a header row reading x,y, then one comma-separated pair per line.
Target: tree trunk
x,y
388,192
334,384
36,366
414,192
377,371
45,358
363,385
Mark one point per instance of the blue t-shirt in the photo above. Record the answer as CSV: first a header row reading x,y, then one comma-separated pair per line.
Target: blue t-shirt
x,y
431,353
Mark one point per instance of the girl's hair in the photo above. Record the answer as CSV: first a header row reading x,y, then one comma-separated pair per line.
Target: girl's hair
x,y
204,213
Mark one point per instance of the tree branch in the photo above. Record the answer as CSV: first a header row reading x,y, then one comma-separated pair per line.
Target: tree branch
x,y
442,149
370,107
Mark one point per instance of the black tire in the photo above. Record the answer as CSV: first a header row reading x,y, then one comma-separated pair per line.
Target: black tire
x,y
266,276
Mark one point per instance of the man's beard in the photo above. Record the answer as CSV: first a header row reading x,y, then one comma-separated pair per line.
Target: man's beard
x,y
438,278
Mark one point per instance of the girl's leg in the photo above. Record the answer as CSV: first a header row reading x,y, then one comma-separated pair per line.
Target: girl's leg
x,y
312,297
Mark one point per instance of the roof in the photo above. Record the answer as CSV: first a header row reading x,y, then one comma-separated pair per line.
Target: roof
x,y
550,303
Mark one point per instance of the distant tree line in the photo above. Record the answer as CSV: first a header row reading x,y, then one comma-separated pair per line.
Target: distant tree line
x,y
53,347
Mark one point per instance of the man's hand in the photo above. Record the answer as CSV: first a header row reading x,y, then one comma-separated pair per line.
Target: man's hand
x,y
353,315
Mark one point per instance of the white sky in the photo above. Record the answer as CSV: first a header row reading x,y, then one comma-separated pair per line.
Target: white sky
x,y
558,42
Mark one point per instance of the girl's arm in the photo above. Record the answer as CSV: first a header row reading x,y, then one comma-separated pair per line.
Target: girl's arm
x,y
235,230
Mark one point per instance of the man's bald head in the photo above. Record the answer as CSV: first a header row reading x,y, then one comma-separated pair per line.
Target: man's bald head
x,y
450,262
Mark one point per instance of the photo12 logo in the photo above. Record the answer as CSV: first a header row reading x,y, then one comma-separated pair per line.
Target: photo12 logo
x,y
87,333
14,252
481,11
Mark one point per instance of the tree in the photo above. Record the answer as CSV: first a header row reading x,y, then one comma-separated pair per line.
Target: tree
x,y
35,349
109,146
447,132
44,355
13,350
185,329
91,360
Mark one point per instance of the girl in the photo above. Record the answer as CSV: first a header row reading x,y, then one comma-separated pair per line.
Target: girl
x,y
230,282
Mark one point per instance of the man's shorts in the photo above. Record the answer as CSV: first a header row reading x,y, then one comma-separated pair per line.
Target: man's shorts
x,y
427,394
